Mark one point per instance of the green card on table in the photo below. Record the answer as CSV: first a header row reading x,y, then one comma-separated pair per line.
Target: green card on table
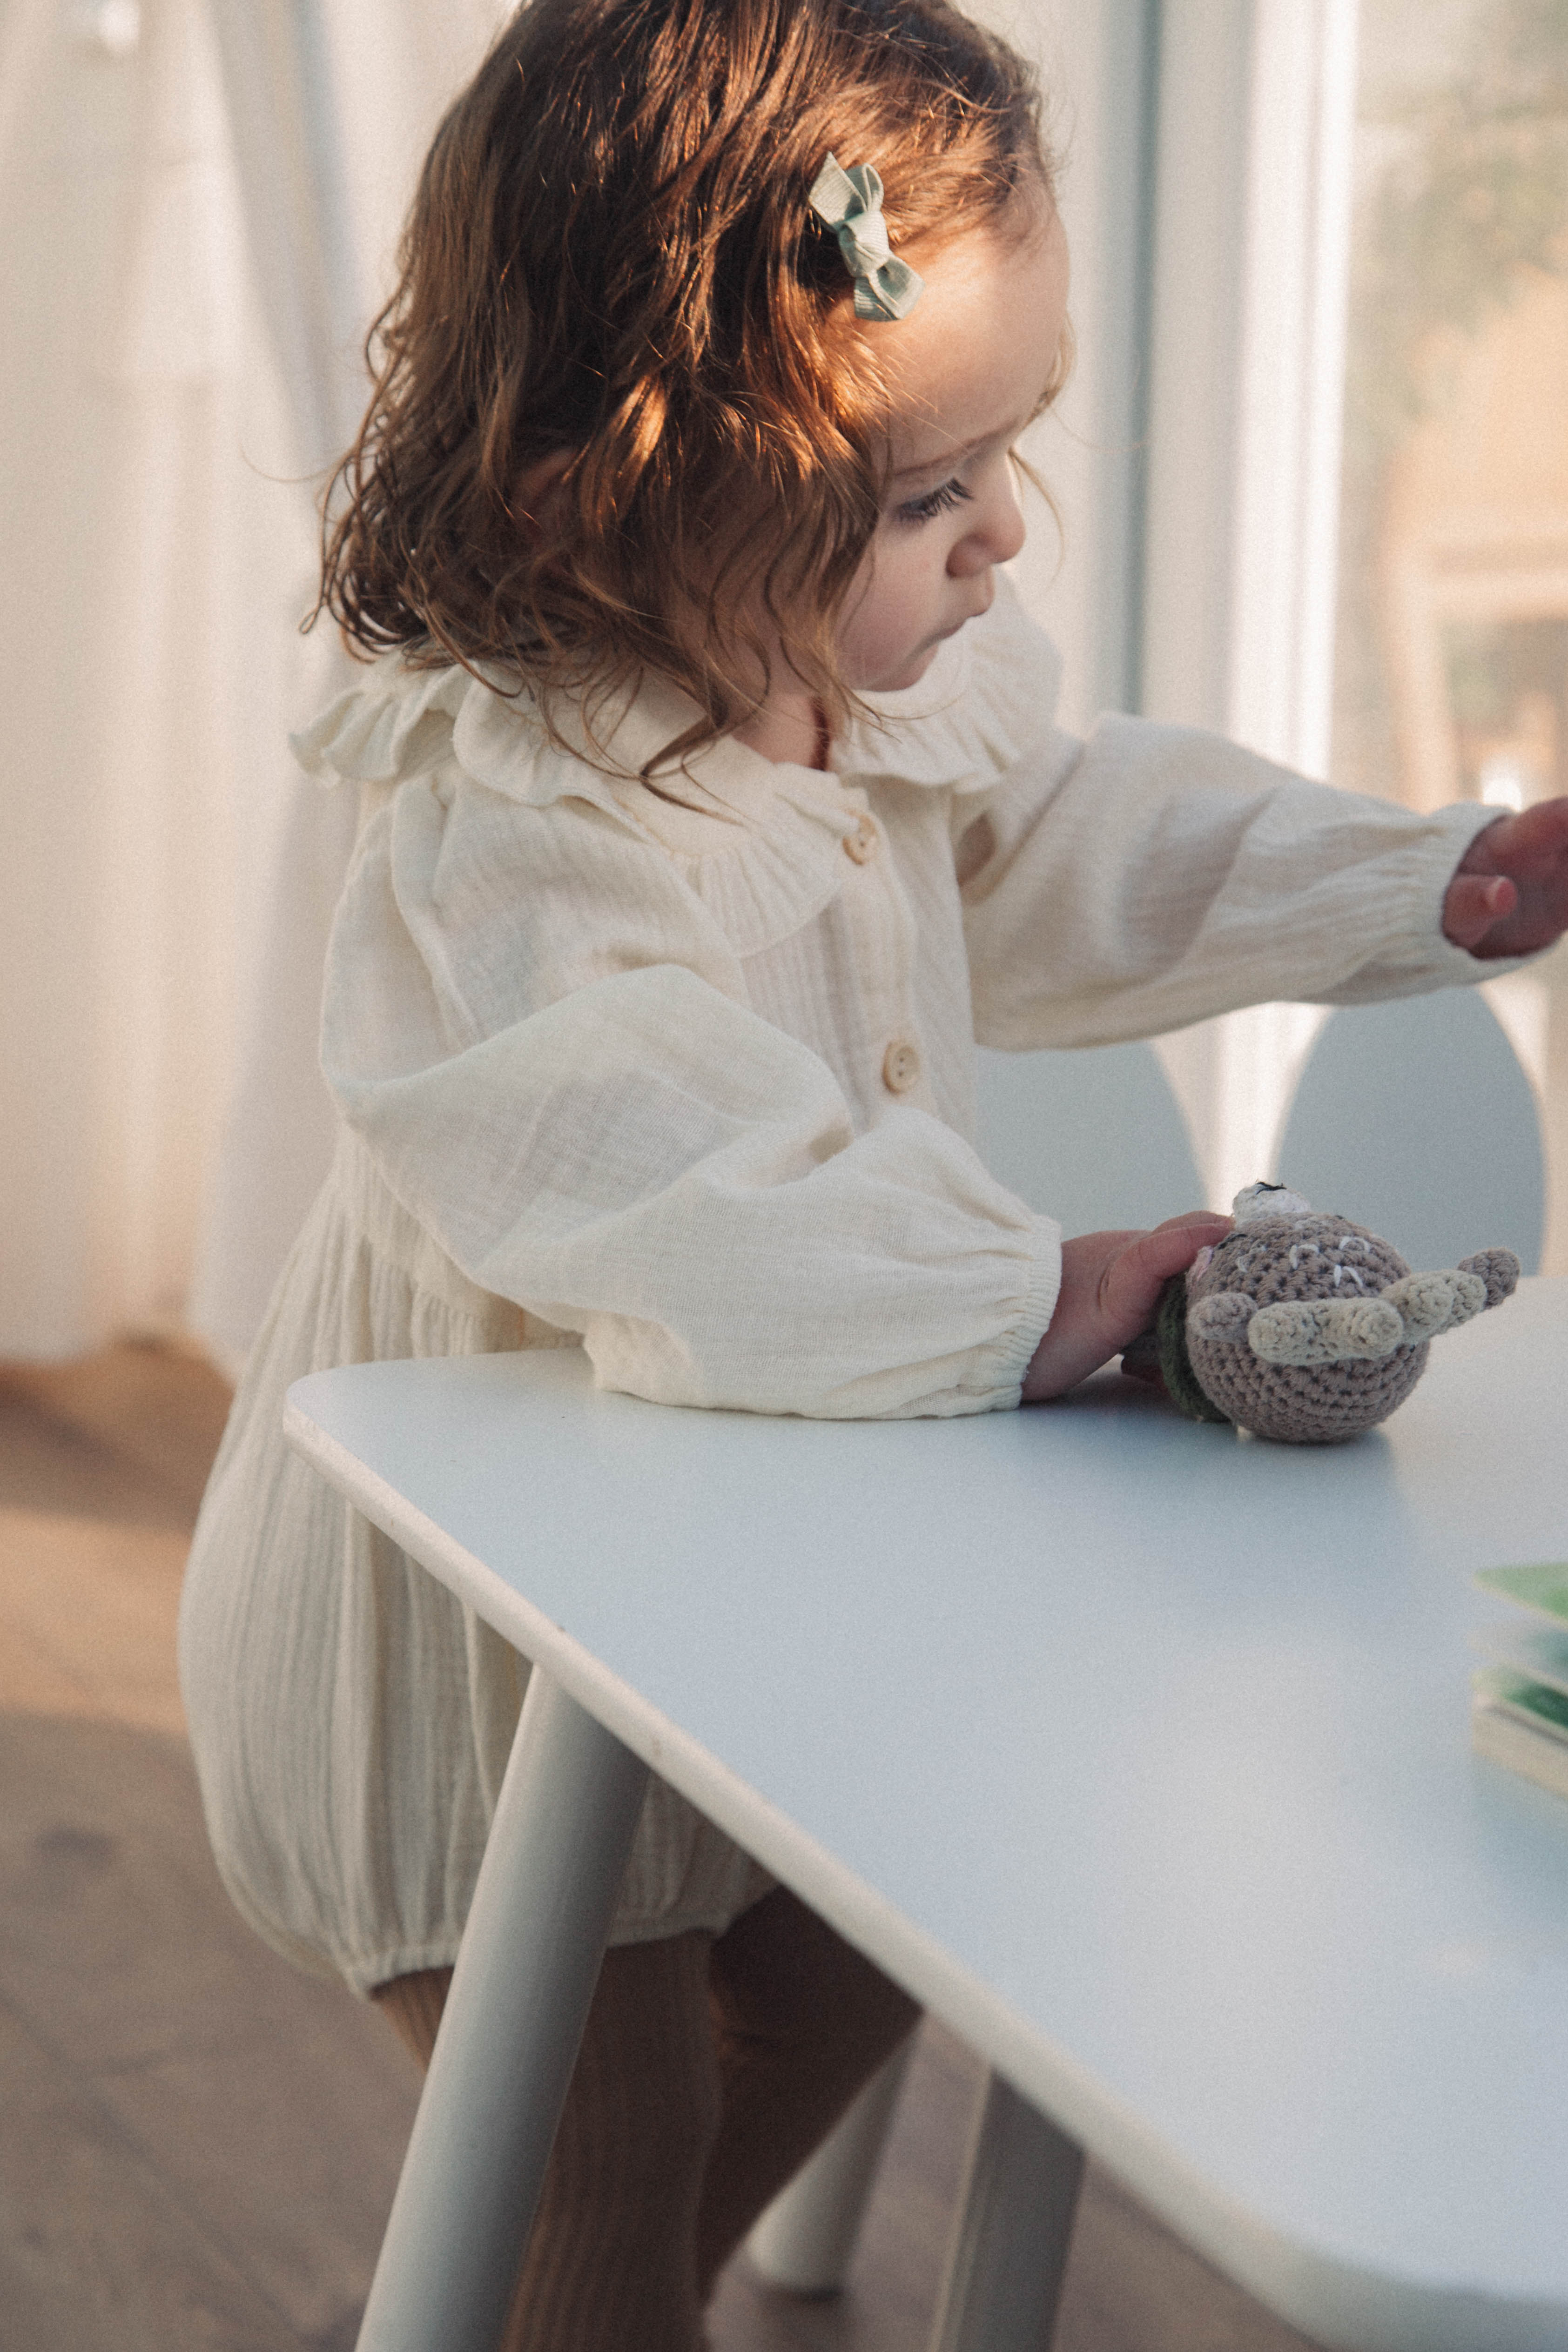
x,y
1542,1587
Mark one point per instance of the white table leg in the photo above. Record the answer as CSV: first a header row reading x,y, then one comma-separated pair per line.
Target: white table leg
x,y
806,2238
524,1979
1015,2224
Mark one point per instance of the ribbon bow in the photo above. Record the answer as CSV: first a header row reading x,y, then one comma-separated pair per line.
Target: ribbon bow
x,y
850,203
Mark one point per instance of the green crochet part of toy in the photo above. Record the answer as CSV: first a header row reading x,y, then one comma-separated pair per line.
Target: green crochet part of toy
x,y
1171,1350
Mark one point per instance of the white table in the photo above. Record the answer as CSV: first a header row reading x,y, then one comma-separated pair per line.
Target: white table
x,y
1137,1751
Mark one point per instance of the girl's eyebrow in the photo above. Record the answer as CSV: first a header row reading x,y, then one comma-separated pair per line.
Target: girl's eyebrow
x,y
944,462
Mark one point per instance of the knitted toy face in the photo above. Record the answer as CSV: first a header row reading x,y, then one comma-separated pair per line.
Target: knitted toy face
x,y
1307,1329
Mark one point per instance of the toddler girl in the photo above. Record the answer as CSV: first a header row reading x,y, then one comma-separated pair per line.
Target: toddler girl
x,y
711,807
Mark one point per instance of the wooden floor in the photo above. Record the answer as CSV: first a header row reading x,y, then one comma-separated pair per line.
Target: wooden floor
x,y
199,2146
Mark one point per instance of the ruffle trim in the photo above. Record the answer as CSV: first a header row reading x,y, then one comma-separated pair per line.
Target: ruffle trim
x,y
397,723
775,878
762,843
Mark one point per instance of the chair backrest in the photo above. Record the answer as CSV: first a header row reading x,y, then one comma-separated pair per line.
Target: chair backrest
x,y
1094,1136
1415,1119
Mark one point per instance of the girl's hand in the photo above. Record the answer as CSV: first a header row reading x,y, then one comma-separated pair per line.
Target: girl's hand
x,y
1510,891
1110,1286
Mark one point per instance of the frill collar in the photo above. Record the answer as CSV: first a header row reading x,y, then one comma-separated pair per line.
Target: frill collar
x,y
759,841
398,723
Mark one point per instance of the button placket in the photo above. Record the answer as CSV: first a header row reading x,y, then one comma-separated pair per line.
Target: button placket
x,y
879,918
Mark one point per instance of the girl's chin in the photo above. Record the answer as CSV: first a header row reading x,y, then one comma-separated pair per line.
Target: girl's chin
x,y
893,681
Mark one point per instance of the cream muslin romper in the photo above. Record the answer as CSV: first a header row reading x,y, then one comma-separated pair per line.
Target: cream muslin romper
x,y
690,1086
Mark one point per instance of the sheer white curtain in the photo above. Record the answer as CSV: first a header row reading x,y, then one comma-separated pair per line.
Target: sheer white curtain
x,y
330,105
125,402
1248,279
195,230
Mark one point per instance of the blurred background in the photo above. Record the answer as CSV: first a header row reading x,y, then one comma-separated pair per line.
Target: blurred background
x,y
1313,478
1451,634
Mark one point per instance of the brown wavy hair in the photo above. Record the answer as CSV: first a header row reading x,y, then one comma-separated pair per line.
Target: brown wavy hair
x,y
611,264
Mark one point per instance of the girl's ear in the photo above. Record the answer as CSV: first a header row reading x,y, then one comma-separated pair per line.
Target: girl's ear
x,y
537,499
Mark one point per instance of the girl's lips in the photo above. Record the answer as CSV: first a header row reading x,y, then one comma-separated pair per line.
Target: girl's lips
x,y
987,599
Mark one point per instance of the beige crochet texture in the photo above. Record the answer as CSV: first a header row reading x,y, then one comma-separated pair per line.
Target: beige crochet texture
x,y
1305,1258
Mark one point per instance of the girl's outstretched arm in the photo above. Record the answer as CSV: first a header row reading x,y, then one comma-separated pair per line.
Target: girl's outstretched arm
x,y
1154,876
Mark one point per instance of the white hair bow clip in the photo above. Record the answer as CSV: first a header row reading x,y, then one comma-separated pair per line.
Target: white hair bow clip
x,y
850,203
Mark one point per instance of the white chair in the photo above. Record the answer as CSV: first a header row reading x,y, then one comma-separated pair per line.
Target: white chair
x,y
1097,1138
1415,1119
805,2240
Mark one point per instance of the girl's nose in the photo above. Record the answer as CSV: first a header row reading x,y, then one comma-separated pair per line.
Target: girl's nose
x,y
995,536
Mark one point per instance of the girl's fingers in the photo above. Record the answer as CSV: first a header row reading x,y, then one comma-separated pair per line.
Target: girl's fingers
x,y
1136,1276
1475,900
1473,903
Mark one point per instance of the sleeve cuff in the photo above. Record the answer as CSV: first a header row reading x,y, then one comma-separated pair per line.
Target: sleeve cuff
x,y
1015,1349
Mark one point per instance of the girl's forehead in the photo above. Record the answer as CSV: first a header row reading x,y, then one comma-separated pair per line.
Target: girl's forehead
x,y
971,361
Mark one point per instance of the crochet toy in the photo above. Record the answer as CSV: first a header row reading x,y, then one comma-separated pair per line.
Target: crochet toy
x,y
1305,1327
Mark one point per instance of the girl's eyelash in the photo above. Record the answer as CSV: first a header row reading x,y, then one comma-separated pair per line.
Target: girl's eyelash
x,y
938,501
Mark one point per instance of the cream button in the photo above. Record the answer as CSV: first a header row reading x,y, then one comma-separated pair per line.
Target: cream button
x,y
900,1067
861,843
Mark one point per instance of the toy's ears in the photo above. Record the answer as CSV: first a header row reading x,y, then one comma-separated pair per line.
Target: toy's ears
x,y
1498,1268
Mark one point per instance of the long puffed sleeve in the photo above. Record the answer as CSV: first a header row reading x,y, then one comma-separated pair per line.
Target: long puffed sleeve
x,y
1154,876
543,1038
